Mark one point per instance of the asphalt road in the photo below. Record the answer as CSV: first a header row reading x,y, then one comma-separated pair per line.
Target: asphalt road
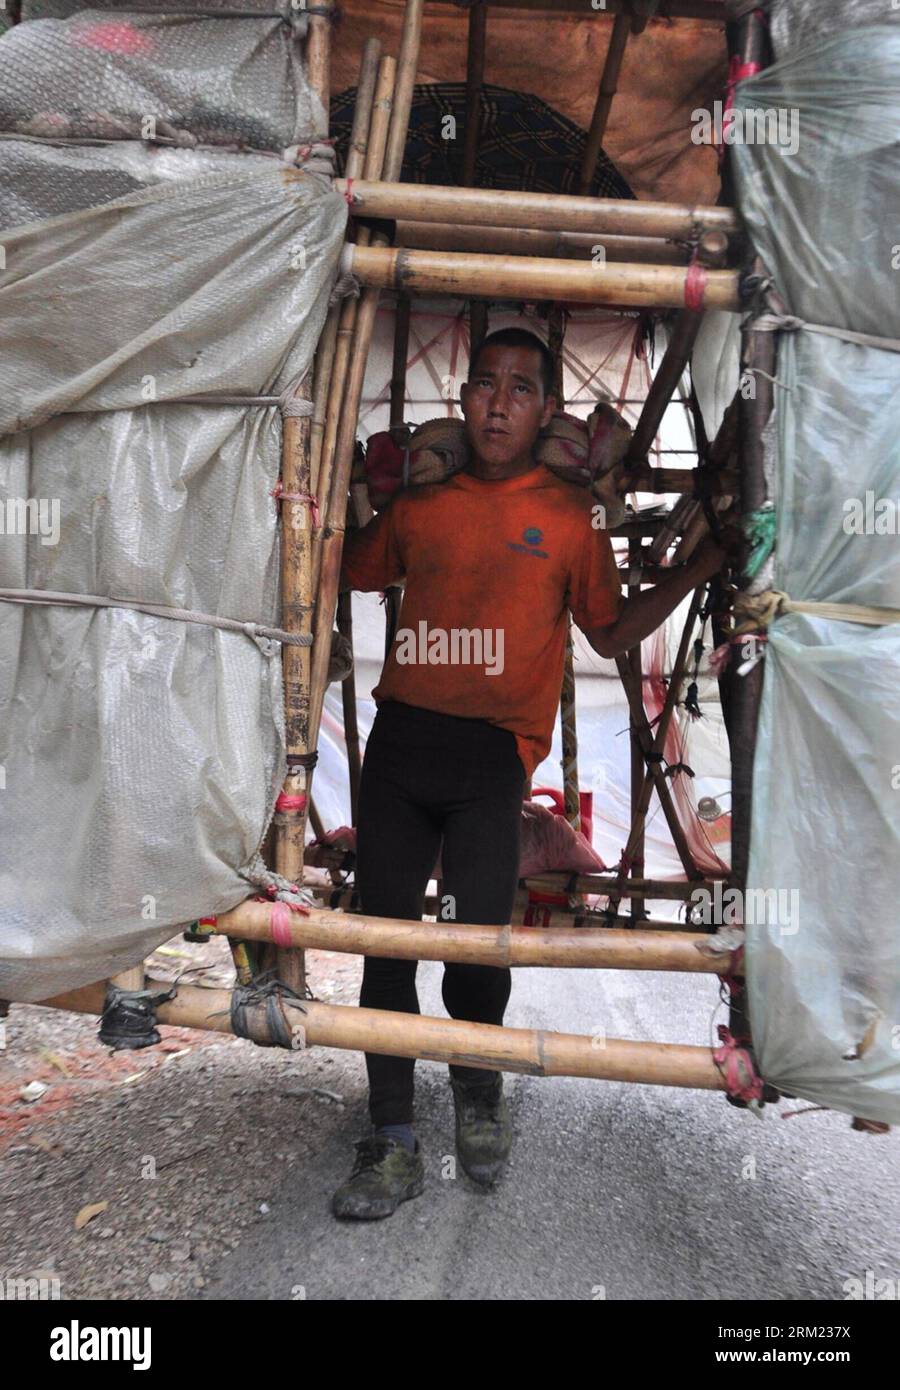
x,y
613,1191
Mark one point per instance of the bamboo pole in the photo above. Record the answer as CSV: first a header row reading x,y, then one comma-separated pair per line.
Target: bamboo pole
x,y
759,353
398,365
475,51
553,915
296,576
393,593
642,478
652,746
608,83
130,979
595,948
605,885
337,445
333,536
711,251
318,62
348,705
326,365
477,39
529,241
371,117
634,659
527,1051
555,212
713,11
531,277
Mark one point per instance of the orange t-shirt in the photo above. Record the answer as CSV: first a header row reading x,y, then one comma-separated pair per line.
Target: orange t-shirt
x,y
490,570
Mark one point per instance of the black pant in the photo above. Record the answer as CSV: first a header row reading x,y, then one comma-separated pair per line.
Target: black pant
x,y
428,777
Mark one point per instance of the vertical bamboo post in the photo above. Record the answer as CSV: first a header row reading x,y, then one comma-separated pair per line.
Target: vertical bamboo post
x,y
623,24
750,39
393,593
712,249
132,978
348,705
634,659
477,42
398,368
333,536
567,710
296,578
368,117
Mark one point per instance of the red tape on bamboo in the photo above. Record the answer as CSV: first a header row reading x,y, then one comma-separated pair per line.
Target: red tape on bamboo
x,y
736,1064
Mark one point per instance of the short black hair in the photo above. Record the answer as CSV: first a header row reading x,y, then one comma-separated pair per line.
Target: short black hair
x,y
521,338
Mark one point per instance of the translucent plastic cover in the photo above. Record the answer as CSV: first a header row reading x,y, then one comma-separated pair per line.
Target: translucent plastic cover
x,y
823,957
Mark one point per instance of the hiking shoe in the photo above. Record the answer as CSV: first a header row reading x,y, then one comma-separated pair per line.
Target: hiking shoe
x,y
483,1128
384,1175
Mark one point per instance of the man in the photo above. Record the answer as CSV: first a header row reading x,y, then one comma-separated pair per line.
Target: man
x,y
492,559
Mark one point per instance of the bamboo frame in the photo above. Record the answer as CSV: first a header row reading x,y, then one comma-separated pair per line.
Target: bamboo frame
x,y
339,897
711,251
634,659
529,277
555,212
759,353
654,777
365,155
333,534
297,588
530,241
523,1050
327,358
607,885
475,51
713,11
612,66
585,948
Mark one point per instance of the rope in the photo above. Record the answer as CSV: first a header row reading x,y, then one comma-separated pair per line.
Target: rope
x,y
346,286
789,323
277,998
156,610
760,611
312,502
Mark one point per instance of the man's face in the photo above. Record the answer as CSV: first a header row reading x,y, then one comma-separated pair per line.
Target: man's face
x,y
504,404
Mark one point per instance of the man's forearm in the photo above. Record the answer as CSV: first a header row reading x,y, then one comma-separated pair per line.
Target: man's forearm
x,y
646,611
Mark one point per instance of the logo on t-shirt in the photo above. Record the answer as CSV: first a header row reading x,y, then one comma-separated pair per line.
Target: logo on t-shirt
x,y
532,535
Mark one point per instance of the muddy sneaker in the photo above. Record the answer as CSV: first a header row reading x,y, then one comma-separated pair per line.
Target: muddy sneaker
x,y
384,1175
483,1128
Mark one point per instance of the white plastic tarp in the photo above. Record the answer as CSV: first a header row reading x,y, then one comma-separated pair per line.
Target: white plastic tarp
x,y
823,956
142,755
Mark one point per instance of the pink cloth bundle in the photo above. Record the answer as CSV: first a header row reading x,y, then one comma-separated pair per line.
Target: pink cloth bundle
x,y
588,452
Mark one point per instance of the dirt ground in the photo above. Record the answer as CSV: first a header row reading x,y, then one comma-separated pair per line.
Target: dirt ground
x,y
174,1139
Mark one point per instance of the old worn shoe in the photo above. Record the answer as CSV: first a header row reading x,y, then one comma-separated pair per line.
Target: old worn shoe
x,y
483,1128
384,1175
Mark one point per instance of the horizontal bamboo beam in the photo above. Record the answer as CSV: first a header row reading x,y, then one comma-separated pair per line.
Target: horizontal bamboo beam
x,y
529,277
687,481
711,10
555,212
525,1050
339,899
603,884
530,241
597,948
